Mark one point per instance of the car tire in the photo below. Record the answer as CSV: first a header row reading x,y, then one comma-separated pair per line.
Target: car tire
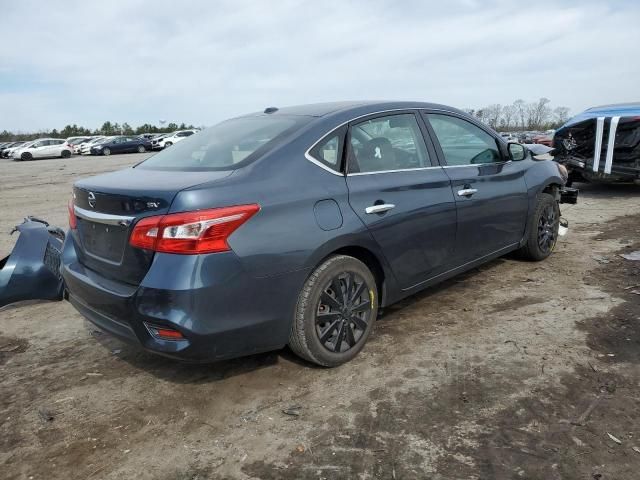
x,y
65,154
168,144
542,229
330,328
141,149
26,156
106,151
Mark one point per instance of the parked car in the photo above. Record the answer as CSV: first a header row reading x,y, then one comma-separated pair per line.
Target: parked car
x,y
7,148
294,226
85,148
8,152
545,138
77,145
601,144
121,144
43,148
72,142
155,142
175,137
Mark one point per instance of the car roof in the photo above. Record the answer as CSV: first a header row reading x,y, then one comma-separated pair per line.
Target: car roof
x,y
360,107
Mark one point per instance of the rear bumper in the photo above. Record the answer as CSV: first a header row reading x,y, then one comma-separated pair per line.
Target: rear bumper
x,y
221,311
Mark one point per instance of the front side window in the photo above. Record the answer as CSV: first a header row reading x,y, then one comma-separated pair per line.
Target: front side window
x,y
462,142
228,145
392,142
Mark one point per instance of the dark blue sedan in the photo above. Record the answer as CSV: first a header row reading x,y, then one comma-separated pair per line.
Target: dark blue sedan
x,y
121,144
294,226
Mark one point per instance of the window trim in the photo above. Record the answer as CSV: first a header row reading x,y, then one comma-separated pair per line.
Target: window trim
x,y
371,116
341,133
309,157
500,144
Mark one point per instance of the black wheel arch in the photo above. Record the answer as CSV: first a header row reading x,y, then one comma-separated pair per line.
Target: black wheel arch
x,y
370,256
552,186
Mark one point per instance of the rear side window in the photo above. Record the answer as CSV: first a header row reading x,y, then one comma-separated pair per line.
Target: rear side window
x,y
462,142
328,151
228,145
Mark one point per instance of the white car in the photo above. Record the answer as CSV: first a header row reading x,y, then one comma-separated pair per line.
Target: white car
x,y
77,145
73,142
175,137
8,153
43,148
85,148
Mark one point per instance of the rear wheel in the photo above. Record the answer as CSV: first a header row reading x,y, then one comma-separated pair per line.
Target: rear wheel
x,y
106,151
65,154
336,310
543,229
141,149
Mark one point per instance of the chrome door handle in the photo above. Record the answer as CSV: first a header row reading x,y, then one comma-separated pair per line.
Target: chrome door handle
x,y
466,192
379,208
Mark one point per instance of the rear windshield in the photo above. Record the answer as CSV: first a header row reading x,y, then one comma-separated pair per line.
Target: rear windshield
x,y
226,146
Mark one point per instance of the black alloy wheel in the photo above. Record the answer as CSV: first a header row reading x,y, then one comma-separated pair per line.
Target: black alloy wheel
x,y
344,312
336,312
547,229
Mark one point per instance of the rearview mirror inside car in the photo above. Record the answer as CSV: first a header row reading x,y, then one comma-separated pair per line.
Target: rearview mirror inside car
x,y
517,151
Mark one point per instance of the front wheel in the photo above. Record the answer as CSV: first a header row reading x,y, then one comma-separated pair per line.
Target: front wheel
x,y
106,151
543,229
141,149
167,144
65,154
336,310
26,156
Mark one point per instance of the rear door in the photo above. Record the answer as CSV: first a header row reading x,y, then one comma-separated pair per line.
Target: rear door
x,y
489,190
55,148
118,145
403,198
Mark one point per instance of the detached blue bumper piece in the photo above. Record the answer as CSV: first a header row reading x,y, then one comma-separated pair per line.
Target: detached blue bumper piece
x,y
32,271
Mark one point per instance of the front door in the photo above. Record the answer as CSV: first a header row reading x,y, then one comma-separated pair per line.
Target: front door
x,y
403,198
490,191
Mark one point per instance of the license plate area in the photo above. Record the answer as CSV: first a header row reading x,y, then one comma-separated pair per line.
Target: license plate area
x,y
103,241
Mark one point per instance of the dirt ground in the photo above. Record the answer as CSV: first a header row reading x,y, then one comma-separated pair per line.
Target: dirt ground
x,y
514,370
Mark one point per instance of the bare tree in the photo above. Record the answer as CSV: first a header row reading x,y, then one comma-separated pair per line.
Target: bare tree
x,y
508,117
493,113
560,115
521,111
539,113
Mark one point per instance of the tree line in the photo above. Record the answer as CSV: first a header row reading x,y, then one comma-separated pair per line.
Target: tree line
x,y
519,116
522,116
107,128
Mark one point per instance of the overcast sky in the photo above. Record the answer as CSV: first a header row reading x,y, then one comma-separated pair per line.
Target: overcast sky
x,y
83,62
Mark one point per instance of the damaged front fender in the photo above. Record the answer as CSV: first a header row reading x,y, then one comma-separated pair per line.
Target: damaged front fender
x,y
32,270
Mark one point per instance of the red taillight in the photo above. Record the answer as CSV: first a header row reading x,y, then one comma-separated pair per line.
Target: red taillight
x,y
202,231
73,221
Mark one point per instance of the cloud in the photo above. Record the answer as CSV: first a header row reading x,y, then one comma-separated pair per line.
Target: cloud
x,y
202,61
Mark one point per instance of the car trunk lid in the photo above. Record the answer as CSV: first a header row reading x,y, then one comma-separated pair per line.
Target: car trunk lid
x,y
108,206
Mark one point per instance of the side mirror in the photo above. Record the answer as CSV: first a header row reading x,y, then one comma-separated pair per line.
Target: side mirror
x,y
517,151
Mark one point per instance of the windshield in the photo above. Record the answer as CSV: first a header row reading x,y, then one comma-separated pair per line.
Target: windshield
x,y
226,146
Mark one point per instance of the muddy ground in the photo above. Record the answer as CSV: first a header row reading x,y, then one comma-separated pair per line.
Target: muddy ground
x,y
514,370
